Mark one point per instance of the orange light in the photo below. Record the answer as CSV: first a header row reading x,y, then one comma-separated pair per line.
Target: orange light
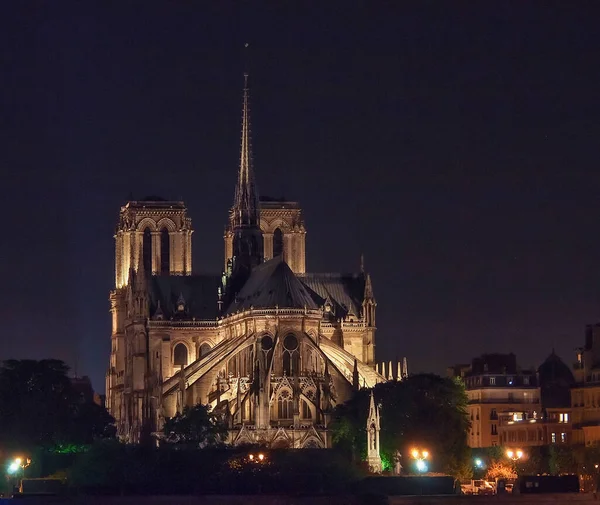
x,y
415,453
519,454
425,454
510,453
251,457
261,456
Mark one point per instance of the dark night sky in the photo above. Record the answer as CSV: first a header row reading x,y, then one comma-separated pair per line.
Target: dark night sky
x,y
454,143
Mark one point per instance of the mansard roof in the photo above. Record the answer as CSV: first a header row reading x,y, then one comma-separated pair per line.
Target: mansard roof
x,y
199,293
272,284
344,290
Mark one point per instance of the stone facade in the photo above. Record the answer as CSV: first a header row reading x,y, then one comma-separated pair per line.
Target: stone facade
x,y
268,346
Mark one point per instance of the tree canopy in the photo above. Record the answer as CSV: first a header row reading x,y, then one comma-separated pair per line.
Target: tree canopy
x,y
40,407
195,427
423,411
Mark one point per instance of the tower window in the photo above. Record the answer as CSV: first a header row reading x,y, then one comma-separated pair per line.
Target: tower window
x,y
165,252
277,243
147,250
180,355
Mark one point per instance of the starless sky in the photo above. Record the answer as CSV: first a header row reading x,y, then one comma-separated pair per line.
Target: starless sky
x,y
454,143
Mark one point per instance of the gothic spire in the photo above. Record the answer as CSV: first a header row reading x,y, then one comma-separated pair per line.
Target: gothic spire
x,y
244,216
368,288
245,205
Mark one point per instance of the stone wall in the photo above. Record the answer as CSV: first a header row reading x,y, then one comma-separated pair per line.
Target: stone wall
x,y
548,499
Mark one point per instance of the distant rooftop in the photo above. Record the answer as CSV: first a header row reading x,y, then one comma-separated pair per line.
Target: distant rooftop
x,y
154,201
269,202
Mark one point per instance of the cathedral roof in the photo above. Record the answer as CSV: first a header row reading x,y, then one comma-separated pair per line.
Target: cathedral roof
x,y
344,290
199,292
272,284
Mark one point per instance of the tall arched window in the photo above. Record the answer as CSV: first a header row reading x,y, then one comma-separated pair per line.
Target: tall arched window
x,y
277,243
290,356
147,251
204,350
180,355
165,252
285,409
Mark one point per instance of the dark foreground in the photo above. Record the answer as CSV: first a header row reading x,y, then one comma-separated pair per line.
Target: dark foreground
x,y
545,499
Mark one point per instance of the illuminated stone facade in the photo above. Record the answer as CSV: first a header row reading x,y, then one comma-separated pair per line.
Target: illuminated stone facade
x,y
496,386
268,346
585,393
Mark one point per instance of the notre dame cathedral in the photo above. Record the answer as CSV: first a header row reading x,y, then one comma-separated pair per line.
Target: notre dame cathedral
x,y
266,344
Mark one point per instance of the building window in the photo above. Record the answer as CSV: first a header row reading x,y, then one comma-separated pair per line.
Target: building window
x,y
290,355
563,418
165,252
553,438
306,414
180,355
493,415
526,381
492,381
204,350
277,243
494,429
563,437
147,251
284,405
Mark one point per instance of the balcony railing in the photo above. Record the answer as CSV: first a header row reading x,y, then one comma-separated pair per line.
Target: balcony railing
x,y
506,401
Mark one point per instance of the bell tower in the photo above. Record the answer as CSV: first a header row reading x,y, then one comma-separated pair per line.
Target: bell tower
x,y
158,230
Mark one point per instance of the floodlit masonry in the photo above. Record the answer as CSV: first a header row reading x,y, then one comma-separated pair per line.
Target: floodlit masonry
x,y
267,345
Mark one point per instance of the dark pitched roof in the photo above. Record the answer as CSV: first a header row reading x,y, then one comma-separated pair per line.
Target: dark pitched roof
x,y
198,291
345,291
556,379
272,284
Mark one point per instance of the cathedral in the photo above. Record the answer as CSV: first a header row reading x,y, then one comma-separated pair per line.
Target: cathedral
x,y
266,344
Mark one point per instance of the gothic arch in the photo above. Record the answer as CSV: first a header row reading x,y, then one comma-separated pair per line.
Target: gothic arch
x,y
312,443
167,223
181,354
278,222
284,404
203,349
147,223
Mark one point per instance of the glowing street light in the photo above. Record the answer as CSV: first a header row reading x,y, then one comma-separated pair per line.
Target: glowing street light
x,y
514,455
17,463
478,463
420,456
259,458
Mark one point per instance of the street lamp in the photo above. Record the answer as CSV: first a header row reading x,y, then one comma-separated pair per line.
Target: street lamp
x,y
420,457
478,463
514,455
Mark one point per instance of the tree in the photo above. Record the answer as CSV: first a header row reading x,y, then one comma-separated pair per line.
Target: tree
x,y
38,407
424,410
196,427
501,470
